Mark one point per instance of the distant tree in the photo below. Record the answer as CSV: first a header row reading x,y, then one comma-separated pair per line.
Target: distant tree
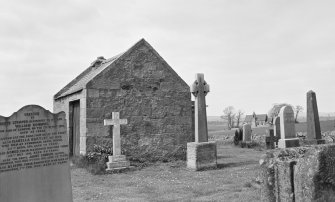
x,y
239,115
229,116
274,111
298,109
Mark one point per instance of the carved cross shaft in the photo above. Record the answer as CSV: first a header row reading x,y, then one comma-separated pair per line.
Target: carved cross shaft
x,y
116,122
200,89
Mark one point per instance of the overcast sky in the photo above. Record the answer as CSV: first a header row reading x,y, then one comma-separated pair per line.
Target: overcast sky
x,y
253,53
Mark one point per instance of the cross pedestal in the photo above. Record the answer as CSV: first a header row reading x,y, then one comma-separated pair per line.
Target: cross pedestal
x,y
117,161
201,154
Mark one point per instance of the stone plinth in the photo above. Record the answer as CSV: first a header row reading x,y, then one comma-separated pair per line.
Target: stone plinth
x,y
301,174
118,162
286,143
201,155
313,142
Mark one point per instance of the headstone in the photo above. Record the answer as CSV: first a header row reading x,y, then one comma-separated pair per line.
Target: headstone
x,y
201,154
246,132
287,128
116,161
34,157
313,122
276,127
270,139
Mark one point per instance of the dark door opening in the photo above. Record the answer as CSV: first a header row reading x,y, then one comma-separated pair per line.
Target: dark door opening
x,y
74,128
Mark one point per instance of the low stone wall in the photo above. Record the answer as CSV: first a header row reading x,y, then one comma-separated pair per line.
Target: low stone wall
x,y
328,136
299,174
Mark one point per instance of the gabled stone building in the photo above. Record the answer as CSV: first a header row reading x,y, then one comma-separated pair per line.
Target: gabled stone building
x,y
256,120
144,89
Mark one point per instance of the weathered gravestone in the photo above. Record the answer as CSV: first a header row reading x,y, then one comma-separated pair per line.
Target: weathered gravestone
x,y
270,139
247,132
300,174
287,128
201,154
117,161
276,127
313,122
34,157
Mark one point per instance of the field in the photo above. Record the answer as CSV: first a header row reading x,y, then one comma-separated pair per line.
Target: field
x,y
234,180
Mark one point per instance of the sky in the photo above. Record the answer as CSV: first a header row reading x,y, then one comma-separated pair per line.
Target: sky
x,y
253,53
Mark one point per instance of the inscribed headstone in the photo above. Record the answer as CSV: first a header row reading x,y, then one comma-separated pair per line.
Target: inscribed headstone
x,y
313,122
287,128
287,123
34,157
246,132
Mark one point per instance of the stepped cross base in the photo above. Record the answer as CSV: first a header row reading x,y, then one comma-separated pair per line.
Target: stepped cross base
x,y
201,155
117,162
286,143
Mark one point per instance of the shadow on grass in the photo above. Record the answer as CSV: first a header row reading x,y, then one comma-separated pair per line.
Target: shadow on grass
x,y
235,164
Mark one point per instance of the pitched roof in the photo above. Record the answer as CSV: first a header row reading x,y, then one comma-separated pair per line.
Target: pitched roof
x,y
260,117
80,81
248,118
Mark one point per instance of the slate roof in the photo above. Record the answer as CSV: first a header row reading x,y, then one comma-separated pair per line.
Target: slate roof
x,y
248,118
79,83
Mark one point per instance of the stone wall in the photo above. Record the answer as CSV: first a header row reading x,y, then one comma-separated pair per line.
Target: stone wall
x,y
299,174
62,104
154,99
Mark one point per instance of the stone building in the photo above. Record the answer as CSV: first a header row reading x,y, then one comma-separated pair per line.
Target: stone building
x,y
144,89
256,120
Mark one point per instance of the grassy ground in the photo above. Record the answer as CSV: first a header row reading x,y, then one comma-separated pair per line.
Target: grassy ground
x,y
232,181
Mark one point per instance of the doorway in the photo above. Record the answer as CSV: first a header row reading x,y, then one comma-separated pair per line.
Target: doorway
x,y
74,127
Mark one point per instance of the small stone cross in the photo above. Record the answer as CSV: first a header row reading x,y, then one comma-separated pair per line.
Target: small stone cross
x,y
200,89
116,122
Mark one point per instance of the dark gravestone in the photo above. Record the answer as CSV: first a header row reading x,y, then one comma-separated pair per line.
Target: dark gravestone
x,y
238,136
34,157
270,139
313,122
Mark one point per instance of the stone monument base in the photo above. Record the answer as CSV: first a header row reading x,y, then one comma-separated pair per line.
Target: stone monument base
x,y
314,142
201,155
117,162
246,144
286,143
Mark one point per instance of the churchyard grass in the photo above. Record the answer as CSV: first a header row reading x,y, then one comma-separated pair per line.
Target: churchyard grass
x,y
234,180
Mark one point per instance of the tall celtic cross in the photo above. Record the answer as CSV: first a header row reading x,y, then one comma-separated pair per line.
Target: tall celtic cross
x,y
116,122
200,89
